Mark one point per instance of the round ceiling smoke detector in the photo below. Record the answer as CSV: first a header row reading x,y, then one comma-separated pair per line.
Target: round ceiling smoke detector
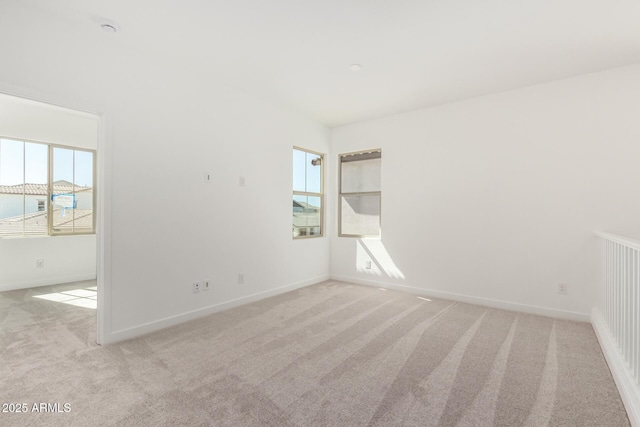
x,y
355,67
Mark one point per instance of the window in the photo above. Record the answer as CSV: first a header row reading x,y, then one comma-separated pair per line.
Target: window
x,y
360,194
45,189
308,196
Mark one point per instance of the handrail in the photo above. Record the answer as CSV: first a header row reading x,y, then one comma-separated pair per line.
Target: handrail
x,y
631,243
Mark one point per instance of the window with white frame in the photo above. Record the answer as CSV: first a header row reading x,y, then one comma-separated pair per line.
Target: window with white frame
x,y
45,189
360,194
308,193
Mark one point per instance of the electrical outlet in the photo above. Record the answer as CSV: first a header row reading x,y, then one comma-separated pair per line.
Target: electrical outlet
x,y
39,263
205,285
207,177
563,288
242,181
367,264
240,278
196,287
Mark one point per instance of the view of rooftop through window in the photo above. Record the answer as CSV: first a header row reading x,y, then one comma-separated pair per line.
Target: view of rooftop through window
x,y
27,198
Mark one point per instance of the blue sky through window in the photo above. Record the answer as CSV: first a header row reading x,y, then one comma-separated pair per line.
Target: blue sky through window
x,y
306,176
14,155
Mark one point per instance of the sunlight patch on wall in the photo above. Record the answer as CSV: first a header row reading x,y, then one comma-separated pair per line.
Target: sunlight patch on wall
x,y
373,258
364,261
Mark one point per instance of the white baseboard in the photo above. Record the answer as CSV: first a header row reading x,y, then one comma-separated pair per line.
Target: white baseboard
x,y
504,305
128,333
46,282
629,390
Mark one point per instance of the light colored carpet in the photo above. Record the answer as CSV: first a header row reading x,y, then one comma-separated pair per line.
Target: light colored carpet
x,y
332,354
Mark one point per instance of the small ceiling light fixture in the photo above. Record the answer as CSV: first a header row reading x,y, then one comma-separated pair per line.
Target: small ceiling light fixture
x,y
355,67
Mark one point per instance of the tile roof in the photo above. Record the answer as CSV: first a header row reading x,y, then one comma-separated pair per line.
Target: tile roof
x,y
31,189
36,223
41,189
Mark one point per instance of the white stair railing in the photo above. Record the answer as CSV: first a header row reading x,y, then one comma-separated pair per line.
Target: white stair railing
x,y
616,317
619,299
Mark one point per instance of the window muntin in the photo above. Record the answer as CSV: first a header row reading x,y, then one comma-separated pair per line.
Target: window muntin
x,y
360,194
308,195
35,180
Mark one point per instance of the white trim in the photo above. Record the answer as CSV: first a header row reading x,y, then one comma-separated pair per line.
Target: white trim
x,y
629,390
103,227
503,305
633,244
46,282
128,333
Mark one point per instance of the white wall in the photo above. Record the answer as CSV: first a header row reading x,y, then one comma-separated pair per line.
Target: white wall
x,y
68,258
495,199
170,228
168,124
25,119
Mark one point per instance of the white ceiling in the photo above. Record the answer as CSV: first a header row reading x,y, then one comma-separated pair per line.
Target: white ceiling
x,y
414,54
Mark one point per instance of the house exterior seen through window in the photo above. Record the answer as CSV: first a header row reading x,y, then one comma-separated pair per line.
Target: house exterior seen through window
x,y
308,193
45,189
360,194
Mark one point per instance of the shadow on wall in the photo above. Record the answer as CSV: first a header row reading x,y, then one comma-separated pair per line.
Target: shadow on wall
x,y
372,258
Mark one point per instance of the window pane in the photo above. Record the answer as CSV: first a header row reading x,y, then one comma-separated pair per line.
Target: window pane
x,y
314,173
361,176
11,162
307,208
361,215
83,180
63,197
62,167
11,187
307,216
36,192
299,170
307,172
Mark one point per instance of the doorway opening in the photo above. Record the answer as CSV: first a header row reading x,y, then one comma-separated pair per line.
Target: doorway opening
x,y
49,222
